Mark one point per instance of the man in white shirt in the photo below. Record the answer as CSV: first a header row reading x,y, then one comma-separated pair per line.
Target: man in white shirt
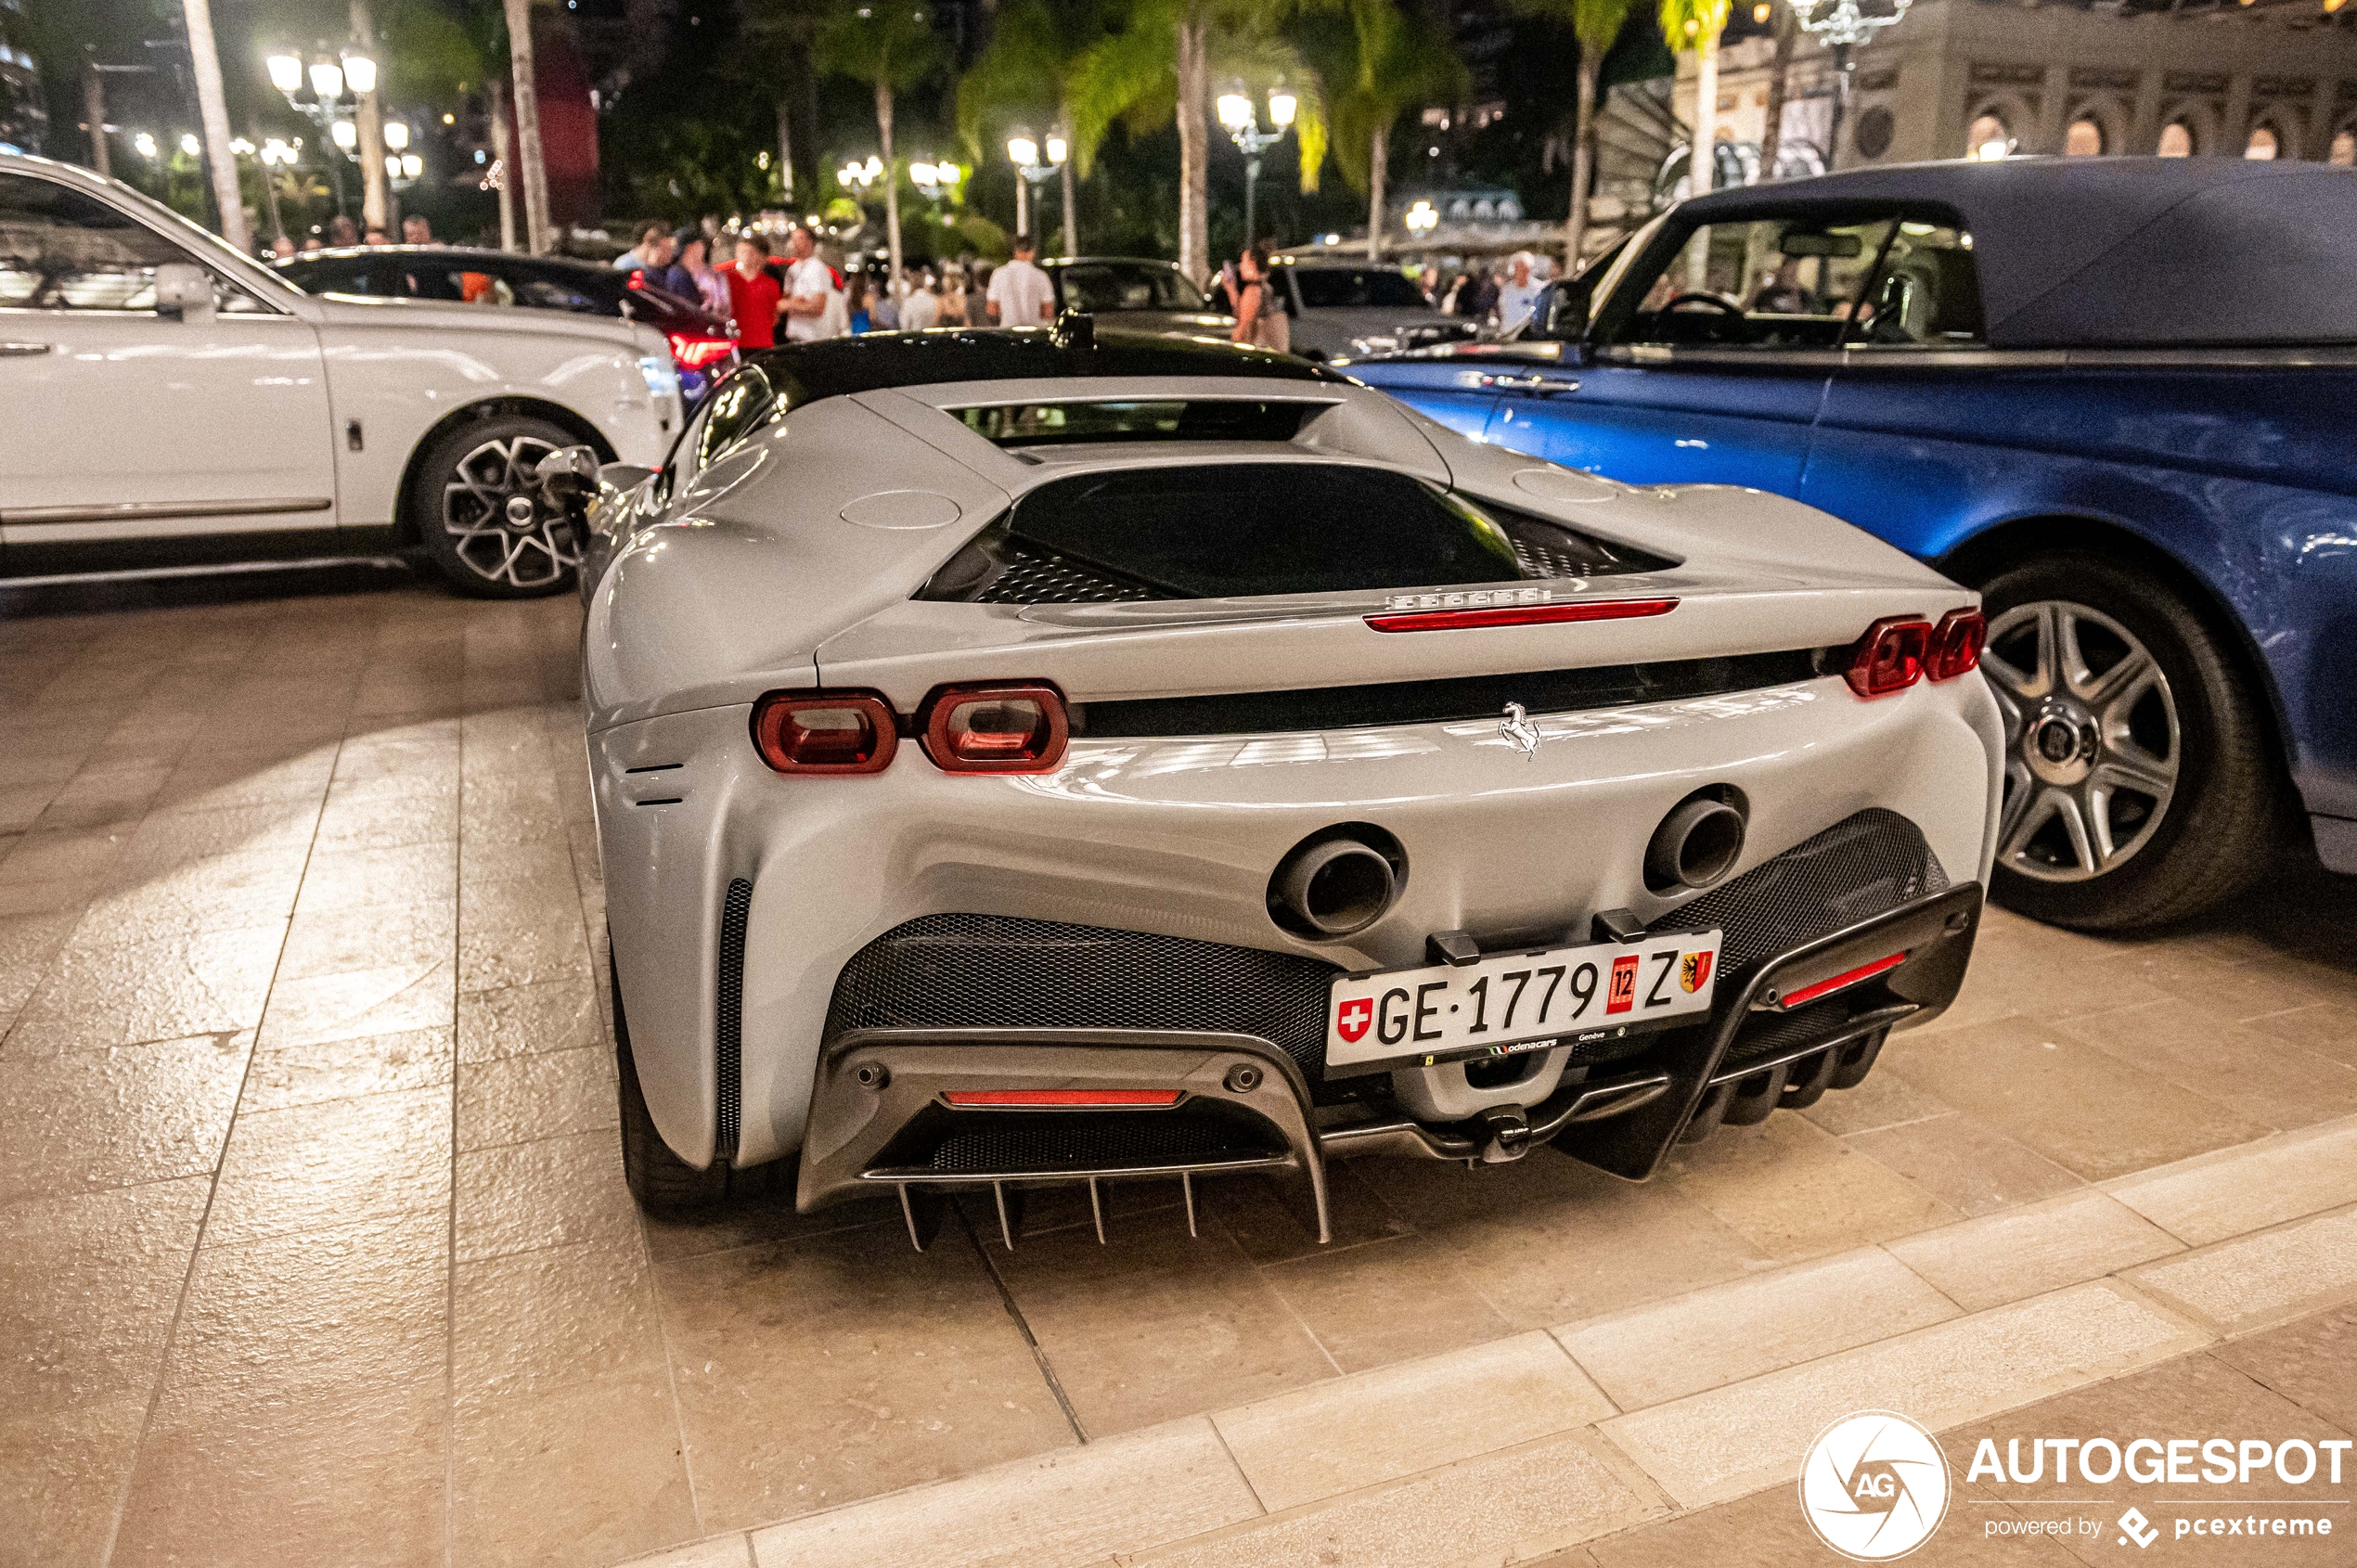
x,y
1520,293
810,287
1019,293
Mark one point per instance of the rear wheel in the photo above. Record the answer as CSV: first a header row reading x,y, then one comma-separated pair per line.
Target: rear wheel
x,y
483,516
2139,784
657,1178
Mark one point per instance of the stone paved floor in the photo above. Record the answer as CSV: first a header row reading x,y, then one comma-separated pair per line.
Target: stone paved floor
x,y
313,1246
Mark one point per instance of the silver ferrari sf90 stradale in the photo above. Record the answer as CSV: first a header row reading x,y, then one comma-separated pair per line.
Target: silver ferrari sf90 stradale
x,y
1056,756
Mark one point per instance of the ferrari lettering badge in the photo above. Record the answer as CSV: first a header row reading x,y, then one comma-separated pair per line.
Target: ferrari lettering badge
x,y
1694,971
1518,731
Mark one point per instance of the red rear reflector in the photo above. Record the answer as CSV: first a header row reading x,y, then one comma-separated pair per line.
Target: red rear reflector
x,y
1521,615
1007,728
1890,657
1808,994
825,731
695,353
1956,644
1100,1097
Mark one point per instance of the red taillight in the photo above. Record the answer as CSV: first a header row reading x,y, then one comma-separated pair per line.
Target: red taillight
x,y
825,731
1890,657
1013,728
1520,615
1842,981
1062,1098
693,352
1956,644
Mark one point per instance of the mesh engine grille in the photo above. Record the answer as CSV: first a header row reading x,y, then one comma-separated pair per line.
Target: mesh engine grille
x,y
728,1017
950,971
953,972
1016,1143
1038,576
1854,871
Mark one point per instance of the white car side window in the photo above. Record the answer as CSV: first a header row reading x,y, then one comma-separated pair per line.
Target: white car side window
x,y
63,250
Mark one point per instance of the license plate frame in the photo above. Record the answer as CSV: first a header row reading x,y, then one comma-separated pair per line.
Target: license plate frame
x,y
1663,991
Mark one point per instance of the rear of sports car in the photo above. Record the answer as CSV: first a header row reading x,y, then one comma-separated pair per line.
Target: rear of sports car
x,y
1179,784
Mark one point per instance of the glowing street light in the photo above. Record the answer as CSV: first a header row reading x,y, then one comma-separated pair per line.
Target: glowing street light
x,y
1022,150
143,144
396,134
359,72
1237,114
286,72
189,145
345,133
327,80
1842,30
1422,218
412,165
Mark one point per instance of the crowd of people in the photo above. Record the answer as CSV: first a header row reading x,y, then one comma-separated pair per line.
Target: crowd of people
x,y
1499,295
794,292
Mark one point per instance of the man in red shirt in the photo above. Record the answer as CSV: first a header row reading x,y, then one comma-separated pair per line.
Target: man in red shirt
x,y
754,296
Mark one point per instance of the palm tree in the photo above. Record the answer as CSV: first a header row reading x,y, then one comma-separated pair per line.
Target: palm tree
x,y
1026,73
528,159
781,31
212,112
890,44
1392,64
1160,67
1697,24
1597,24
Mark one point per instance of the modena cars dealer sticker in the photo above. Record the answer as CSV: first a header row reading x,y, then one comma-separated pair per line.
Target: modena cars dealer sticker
x,y
1506,1002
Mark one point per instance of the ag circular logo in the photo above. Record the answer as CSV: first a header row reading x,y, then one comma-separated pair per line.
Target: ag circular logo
x,y
1875,1486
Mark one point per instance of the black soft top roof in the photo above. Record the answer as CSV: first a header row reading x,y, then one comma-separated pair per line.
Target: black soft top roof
x,y
2124,252
877,360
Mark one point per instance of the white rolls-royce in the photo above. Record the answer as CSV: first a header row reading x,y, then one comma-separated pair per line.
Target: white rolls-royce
x,y
168,401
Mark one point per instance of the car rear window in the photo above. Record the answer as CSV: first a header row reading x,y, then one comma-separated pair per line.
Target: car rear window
x,y
1241,529
1346,288
1111,287
1053,424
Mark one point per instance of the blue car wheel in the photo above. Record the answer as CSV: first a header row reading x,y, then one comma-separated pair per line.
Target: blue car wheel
x,y
2141,785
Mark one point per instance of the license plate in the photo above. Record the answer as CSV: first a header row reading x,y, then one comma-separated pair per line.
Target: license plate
x,y
1507,1003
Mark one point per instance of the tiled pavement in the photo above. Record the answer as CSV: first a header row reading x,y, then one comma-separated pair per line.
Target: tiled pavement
x,y
313,1246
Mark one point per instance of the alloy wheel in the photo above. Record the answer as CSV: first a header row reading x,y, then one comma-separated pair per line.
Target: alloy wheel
x,y
501,525
2093,742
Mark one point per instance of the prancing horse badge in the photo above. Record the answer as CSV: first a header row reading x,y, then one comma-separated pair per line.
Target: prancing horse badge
x,y
1519,732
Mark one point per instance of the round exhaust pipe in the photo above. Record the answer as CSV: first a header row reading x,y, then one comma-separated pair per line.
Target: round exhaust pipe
x,y
1338,882
1697,844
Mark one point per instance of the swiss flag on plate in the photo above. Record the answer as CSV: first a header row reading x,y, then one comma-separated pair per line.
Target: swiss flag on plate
x,y
1354,1018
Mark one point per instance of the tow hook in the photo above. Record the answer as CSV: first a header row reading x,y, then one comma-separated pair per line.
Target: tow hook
x,y
1509,1133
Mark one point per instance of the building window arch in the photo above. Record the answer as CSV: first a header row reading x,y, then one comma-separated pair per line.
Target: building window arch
x,y
2084,139
2344,149
2176,140
2265,143
1988,138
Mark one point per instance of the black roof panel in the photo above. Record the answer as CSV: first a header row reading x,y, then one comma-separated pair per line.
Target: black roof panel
x,y
878,360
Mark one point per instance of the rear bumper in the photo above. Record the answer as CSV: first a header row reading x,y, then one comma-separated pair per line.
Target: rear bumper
x,y
882,1116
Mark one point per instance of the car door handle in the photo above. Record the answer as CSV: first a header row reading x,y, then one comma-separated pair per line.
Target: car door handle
x,y
21,351
1543,386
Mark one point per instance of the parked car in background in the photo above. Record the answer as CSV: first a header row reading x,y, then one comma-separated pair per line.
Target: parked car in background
x,y
1343,312
2112,393
702,347
1134,295
1211,766
166,400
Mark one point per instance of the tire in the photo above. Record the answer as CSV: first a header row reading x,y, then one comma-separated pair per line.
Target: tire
x,y
659,1180
463,498
2141,784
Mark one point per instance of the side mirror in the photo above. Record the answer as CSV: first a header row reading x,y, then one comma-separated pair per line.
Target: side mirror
x,y
624,477
183,289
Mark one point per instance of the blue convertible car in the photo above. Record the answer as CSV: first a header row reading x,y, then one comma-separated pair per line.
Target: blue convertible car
x,y
2117,395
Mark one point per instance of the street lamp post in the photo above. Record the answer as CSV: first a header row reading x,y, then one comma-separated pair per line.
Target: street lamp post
x,y
1841,30
328,75
1037,171
1236,112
